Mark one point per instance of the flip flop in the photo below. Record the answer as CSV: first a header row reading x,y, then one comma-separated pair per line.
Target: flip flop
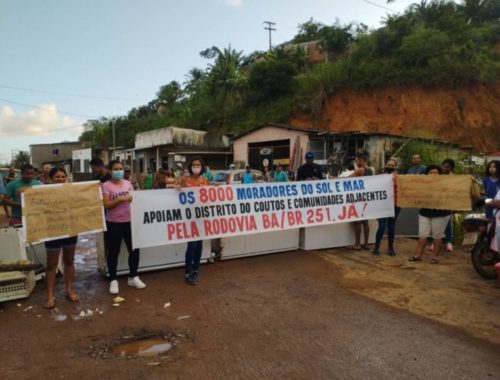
x,y
365,247
414,258
73,297
50,304
353,248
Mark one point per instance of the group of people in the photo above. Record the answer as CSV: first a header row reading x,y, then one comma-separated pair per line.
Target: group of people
x,y
118,183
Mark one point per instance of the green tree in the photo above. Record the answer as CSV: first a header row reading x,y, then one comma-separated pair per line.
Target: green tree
x,y
21,158
270,79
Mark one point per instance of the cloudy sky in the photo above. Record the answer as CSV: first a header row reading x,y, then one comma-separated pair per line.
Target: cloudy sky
x,y
64,62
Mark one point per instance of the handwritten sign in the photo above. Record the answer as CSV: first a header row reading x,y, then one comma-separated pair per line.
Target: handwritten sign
x,y
169,216
62,210
445,192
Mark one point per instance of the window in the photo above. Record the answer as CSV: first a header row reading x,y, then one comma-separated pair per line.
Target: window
x,y
55,152
76,166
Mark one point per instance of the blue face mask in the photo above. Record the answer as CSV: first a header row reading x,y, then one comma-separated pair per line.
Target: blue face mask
x,y
117,174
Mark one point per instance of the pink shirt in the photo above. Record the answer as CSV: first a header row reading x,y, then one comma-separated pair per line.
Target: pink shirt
x,y
121,212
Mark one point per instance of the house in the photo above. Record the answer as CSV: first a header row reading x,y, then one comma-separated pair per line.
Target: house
x,y
166,147
55,153
287,145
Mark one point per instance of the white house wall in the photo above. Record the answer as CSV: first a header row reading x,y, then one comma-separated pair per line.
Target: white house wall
x,y
265,134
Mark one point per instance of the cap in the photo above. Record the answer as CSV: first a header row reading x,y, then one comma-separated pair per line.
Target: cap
x,y
127,168
309,155
247,165
232,166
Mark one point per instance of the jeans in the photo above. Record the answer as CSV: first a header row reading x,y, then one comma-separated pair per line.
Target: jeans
x,y
193,256
116,232
448,233
391,227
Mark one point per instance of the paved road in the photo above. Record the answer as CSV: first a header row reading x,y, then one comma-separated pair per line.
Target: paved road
x,y
277,316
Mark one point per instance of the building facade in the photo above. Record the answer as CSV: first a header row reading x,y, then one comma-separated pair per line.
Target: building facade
x,y
56,153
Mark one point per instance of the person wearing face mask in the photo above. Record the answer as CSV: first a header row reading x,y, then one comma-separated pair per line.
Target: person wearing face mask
x,y
194,248
117,198
13,192
390,168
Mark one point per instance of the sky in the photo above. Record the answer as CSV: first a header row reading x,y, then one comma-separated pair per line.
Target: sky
x,y
65,62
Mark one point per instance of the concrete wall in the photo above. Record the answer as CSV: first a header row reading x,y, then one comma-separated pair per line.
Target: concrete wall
x,y
240,145
41,153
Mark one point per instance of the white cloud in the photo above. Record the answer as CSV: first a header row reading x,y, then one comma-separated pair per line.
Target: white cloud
x,y
234,3
42,121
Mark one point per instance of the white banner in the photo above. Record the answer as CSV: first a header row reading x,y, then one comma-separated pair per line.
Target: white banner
x,y
170,216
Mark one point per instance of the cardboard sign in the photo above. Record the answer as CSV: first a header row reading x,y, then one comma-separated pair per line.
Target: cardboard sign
x,y
170,216
444,192
62,210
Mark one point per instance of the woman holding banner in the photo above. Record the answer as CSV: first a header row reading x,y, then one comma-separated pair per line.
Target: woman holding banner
x,y
117,198
194,248
53,247
431,222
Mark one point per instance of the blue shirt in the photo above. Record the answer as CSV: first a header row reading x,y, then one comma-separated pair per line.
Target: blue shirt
x,y
14,190
491,188
247,178
280,177
2,188
417,169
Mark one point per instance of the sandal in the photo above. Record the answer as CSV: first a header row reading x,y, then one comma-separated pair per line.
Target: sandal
x,y
354,248
50,304
414,258
365,247
73,297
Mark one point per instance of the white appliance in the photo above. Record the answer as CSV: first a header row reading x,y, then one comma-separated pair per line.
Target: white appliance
x,y
152,258
333,235
259,244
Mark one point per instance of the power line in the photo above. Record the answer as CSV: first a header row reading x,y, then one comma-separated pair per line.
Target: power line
x,y
380,6
69,94
48,109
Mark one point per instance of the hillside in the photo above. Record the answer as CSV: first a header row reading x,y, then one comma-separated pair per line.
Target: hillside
x,y
469,117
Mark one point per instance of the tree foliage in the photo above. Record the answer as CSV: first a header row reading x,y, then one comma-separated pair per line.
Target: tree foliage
x,y
434,43
20,159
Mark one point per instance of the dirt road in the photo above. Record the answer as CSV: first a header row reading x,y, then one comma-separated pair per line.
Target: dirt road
x,y
329,314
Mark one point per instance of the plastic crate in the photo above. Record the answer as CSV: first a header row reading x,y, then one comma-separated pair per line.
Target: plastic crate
x,y
16,285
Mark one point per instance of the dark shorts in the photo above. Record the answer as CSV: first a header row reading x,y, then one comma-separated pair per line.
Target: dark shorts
x,y
61,243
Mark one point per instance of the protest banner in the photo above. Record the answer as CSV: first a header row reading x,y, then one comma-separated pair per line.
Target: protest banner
x,y
170,216
444,192
61,210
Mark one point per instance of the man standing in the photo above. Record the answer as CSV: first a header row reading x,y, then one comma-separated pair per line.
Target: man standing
x,y
280,175
15,188
248,176
417,167
310,170
44,177
208,174
99,172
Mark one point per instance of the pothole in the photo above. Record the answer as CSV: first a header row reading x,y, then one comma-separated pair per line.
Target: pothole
x,y
138,344
143,347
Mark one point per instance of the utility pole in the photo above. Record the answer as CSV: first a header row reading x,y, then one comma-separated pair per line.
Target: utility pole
x,y
113,121
270,28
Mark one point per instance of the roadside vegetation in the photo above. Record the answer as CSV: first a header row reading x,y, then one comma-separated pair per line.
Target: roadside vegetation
x,y
432,44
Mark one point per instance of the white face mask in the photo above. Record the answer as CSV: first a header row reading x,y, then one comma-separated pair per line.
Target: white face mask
x,y
196,170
